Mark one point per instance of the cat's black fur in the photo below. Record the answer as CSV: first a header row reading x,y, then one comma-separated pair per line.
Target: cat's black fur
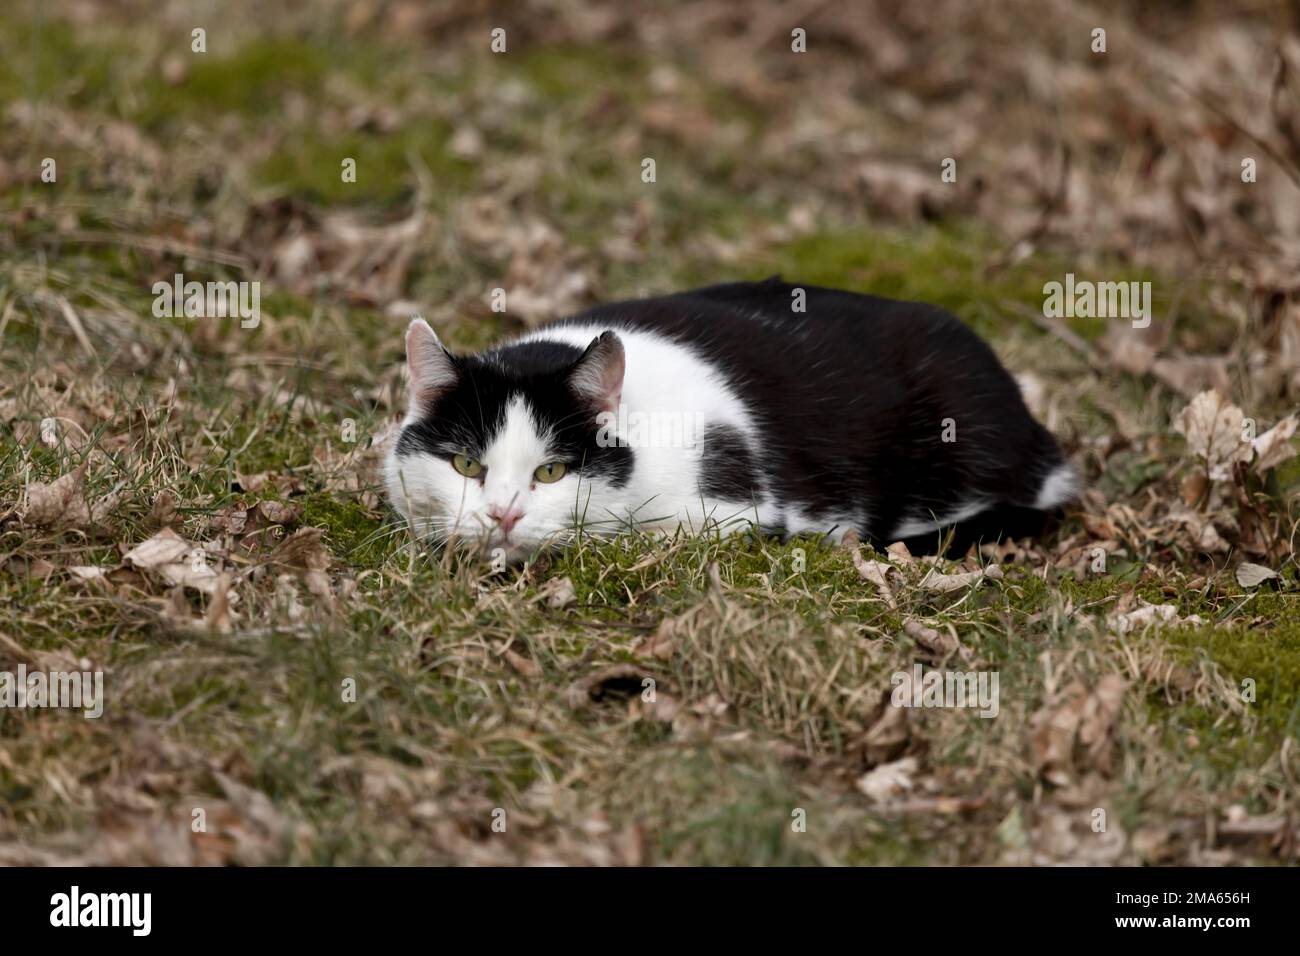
x,y
852,395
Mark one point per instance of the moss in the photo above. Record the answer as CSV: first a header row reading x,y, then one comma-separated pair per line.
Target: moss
x,y
310,164
250,81
351,530
939,266
574,75
1287,475
60,45
947,265
1270,656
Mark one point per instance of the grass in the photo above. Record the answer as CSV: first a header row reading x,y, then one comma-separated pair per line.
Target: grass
x,y
394,716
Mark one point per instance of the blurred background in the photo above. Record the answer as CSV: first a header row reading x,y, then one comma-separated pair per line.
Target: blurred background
x,y
523,168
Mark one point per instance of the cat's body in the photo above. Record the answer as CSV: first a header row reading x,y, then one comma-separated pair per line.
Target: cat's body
x,y
732,408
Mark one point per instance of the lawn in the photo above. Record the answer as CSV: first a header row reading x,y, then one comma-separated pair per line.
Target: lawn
x,y
288,681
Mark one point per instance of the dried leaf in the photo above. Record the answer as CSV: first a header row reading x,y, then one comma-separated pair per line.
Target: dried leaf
x,y
557,593
217,617
1099,715
163,512
175,560
889,733
1076,714
1253,575
165,547
1274,446
1149,615
525,667
60,503
937,644
1200,530
899,554
888,780
876,572
1213,428
304,549
624,679
934,580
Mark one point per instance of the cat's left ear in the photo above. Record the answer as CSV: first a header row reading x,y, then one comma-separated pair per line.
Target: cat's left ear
x,y
597,377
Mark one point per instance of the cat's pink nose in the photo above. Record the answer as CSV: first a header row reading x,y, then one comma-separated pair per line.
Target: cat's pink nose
x,y
506,518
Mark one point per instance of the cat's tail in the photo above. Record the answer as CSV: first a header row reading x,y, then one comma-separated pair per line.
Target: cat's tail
x,y
1058,481
1062,484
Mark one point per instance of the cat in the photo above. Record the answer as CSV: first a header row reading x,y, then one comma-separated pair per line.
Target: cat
x,y
723,408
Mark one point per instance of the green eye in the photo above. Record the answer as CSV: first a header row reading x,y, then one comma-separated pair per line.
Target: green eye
x,y
467,466
552,471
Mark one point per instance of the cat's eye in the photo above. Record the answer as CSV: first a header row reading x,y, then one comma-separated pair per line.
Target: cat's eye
x,y
549,472
467,466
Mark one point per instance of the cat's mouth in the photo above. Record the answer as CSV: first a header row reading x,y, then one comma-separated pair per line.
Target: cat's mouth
x,y
495,547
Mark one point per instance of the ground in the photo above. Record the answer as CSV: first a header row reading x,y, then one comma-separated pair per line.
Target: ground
x,y
286,682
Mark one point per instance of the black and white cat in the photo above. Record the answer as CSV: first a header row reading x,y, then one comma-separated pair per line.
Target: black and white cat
x,y
722,408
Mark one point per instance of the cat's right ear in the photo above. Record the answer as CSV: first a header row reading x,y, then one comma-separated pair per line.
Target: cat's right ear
x,y
431,367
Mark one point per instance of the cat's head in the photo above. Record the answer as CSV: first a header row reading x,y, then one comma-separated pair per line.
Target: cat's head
x,y
503,451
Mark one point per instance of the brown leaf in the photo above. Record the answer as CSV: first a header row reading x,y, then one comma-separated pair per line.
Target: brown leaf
x,y
664,708
165,547
217,617
1253,575
889,733
899,553
1100,712
175,560
241,520
1193,487
624,679
661,643
163,512
888,780
934,580
1213,428
1189,374
937,644
1200,530
523,666
248,829
1076,715
1053,730
1149,615
304,549
876,572
60,503
557,593
1274,446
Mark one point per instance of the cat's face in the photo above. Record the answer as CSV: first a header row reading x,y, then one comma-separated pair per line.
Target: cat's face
x,y
502,452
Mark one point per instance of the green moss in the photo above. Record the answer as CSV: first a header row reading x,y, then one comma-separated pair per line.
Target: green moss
x,y
940,266
1269,656
351,530
569,74
310,164
948,265
1287,475
251,81
60,46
